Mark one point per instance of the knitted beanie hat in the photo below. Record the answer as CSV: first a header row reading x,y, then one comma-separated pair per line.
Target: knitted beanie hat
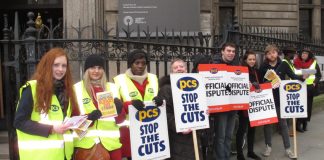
x,y
94,60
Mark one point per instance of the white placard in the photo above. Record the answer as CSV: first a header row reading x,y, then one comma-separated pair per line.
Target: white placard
x,y
149,133
293,99
262,109
189,100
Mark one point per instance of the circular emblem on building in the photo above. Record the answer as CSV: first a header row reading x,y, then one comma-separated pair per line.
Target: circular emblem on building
x,y
128,20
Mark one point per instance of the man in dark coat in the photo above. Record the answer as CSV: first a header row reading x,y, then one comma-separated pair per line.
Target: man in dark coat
x,y
181,144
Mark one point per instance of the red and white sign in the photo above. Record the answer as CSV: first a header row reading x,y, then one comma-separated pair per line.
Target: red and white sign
x,y
262,109
227,87
238,81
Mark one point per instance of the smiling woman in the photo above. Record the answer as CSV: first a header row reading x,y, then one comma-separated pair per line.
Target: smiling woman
x,y
45,101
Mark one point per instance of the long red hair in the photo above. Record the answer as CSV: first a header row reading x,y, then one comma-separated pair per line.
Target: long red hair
x,y
44,77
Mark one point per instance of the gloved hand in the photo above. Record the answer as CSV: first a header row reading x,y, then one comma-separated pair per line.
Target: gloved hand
x,y
158,101
228,88
256,85
119,105
94,115
138,104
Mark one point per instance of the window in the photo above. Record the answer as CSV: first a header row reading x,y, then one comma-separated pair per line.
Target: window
x,y
305,23
225,18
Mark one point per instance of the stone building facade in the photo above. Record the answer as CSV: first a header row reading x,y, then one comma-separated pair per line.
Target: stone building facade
x,y
293,16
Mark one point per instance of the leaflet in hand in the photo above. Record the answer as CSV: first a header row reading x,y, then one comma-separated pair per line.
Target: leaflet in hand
x,y
106,104
272,76
78,122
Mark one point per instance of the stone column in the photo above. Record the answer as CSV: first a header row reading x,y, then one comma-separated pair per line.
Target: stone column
x,y
87,12
316,21
206,18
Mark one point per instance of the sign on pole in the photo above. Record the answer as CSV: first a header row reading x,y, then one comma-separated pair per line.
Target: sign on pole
x,y
262,109
149,132
189,100
293,99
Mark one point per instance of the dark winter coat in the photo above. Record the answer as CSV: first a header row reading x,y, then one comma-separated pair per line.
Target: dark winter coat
x,y
181,145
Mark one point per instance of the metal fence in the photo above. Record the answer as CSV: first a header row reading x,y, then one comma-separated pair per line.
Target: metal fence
x,y
21,51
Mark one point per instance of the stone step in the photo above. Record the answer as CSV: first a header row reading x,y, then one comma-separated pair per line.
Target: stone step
x,y
4,151
4,146
4,137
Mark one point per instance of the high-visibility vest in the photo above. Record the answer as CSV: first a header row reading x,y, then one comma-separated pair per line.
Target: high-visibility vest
x,y
311,78
290,66
128,90
104,130
55,146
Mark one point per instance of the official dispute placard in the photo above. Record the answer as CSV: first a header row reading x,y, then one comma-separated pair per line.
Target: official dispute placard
x,y
189,100
227,87
293,99
238,82
149,132
262,109
215,81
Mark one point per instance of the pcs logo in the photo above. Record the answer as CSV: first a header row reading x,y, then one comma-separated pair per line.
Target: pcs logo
x,y
150,113
86,100
238,72
187,84
55,108
213,70
292,87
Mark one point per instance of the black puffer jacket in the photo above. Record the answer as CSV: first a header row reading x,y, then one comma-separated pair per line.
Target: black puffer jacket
x,y
181,145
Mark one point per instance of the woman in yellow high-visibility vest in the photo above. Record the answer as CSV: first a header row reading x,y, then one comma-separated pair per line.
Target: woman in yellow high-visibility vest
x,y
44,102
306,60
102,140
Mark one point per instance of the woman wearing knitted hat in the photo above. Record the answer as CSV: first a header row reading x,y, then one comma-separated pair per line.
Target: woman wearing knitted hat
x,y
136,86
102,138
306,60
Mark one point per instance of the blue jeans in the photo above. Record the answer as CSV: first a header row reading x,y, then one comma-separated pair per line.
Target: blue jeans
x,y
224,127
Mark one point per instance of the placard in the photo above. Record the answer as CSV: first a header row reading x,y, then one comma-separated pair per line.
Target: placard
x,y
215,83
149,132
262,109
293,99
189,100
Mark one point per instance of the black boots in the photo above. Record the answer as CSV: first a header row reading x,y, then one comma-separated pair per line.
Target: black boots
x,y
299,126
305,125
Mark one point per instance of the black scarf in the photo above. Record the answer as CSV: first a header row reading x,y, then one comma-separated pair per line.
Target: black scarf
x,y
59,90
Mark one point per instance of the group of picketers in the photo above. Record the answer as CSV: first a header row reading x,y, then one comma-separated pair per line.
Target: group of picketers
x,y
50,96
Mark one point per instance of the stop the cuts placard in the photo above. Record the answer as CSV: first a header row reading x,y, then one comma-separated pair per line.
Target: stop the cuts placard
x,y
189,100
293,99
262,109
149,132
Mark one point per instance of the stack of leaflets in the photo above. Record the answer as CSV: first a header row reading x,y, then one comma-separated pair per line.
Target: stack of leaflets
x,y
272,76
79,124
106,104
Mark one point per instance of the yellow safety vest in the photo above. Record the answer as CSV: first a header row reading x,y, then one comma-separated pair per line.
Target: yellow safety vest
x,y
55,146
128,90
104,130
290,66
311,78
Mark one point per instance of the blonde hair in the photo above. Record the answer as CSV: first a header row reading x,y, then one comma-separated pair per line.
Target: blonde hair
x,y
270,47
87,82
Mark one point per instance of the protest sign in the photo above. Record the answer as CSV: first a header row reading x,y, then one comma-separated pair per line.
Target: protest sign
x,y
293,99
189,101
238,81
149,132
262,109
106,104
215,82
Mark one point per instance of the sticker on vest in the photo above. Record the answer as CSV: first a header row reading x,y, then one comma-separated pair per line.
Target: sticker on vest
x,y
133,94
55,108
150,90
86,100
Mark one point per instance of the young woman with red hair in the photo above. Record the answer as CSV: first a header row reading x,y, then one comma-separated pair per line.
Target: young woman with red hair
x,y
45,101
